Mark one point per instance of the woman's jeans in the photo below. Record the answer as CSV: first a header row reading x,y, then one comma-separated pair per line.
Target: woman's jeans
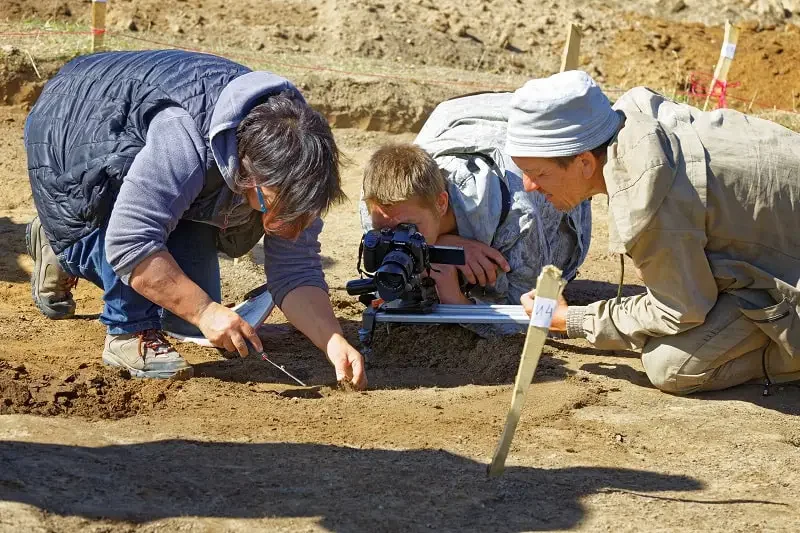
x,y
192,244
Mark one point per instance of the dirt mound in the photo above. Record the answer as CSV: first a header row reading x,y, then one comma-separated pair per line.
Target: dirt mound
x,y
90,391
21,82
765,64
373,105
421,33
624,44
480,35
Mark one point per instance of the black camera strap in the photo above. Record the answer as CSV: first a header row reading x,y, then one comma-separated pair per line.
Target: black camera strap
x,y
505,195
360,252
505,198
360,255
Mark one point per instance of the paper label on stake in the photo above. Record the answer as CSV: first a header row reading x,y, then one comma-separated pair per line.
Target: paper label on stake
x,y
543,309
728,49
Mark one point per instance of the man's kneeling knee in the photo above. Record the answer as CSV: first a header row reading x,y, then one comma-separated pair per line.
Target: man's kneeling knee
x,y
662,363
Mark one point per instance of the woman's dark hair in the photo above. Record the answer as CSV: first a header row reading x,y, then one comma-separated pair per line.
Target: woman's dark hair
x,y
286,145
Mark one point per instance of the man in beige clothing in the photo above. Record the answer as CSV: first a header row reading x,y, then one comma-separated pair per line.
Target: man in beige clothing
x,y
707,205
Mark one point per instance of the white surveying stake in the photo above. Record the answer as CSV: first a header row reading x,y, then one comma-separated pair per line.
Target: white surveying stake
x,y
548,289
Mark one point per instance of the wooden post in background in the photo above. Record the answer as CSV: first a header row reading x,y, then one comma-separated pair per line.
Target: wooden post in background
x,y
98,25
725,59
572,48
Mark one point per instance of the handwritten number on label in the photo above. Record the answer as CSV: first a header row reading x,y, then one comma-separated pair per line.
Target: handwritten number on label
x,y
543,309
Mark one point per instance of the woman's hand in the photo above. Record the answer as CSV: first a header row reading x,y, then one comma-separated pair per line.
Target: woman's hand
x,y
310,311
225,329
347,361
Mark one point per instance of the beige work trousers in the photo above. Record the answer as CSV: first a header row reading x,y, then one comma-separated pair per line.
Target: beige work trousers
x,y
726,350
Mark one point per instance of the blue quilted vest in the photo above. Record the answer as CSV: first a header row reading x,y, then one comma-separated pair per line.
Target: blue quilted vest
x,y
91,120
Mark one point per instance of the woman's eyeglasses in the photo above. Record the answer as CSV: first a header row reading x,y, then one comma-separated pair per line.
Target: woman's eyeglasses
x,y
261,200
291,230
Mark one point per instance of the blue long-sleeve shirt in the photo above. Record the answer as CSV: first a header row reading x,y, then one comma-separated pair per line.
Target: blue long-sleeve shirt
x,y
169,173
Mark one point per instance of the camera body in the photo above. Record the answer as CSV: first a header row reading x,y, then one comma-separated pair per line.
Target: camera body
x,y
394,260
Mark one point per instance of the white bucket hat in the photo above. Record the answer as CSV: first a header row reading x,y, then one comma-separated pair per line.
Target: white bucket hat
x,y
563,115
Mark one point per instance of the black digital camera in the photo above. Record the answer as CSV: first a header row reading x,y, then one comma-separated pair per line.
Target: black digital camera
x,y
394,260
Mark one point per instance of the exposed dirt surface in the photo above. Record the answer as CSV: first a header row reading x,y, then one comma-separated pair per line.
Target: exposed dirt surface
x,y
240,447
658,43
91,391
764,71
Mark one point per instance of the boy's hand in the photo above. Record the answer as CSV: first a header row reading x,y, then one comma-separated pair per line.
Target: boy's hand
x,y
482,261
447,286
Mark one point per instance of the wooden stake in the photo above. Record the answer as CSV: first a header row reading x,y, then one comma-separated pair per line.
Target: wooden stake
x,y
725,58
39,75
753,99
548,289
98,25
572,48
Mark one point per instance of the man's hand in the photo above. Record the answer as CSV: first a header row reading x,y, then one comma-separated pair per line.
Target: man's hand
x,y
225,329
347,361
447,286
559,322
482,261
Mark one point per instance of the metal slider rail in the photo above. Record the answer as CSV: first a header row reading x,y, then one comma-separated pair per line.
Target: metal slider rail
x,y
460,314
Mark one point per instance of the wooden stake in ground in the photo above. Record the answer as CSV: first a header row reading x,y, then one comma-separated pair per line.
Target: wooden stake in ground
x,y
98,25
548,289
725,59
572,48
753,99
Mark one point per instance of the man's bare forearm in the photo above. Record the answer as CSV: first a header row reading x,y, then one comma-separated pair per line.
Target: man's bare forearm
x,y
159,279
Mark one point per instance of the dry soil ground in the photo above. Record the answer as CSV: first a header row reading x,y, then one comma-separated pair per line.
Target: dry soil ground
x,y
238,448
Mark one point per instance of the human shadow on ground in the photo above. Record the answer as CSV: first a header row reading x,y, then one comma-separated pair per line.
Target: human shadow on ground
x,y
588,350
607,366
346,489
619,371
405,358
586,291
784,398
12,246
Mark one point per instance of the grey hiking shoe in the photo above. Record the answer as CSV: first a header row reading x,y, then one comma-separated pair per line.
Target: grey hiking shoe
x,y
146,354
50,286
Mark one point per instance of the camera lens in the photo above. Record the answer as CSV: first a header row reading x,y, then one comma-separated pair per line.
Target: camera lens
x,y
393,274
391,281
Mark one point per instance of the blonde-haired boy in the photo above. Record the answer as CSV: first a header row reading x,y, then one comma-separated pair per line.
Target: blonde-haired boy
x,y
460,189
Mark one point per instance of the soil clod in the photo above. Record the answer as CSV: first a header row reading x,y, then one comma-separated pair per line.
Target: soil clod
x,y
91,391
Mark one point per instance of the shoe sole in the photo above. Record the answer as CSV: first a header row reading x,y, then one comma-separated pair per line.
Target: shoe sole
x,y
46,311
182,374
